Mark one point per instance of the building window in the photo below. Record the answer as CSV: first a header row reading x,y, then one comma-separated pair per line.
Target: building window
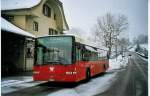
x,y
46,10
52,32
35,26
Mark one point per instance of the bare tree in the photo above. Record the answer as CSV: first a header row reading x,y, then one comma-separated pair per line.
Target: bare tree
x,y
108,29
141,39
124,43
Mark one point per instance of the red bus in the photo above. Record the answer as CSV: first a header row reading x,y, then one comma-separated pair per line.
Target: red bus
x,y
67,58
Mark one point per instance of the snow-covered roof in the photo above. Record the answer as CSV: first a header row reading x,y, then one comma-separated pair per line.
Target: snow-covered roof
x,y
18,4
90,48
9,27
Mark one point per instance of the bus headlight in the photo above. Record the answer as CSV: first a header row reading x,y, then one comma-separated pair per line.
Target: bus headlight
x,y
70,73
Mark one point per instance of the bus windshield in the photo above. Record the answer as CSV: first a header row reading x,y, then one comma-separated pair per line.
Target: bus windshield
x,y
54,50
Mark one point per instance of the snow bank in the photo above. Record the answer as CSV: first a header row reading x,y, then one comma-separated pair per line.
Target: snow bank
x,y
118,63
143,50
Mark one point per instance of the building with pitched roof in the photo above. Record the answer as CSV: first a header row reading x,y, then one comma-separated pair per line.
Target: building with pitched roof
x,y
39,17
26,19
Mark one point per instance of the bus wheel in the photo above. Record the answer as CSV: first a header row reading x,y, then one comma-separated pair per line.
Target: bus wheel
x,y
104,67
88,74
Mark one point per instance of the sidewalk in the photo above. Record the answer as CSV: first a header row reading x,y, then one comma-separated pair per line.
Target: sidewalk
x,y
18,82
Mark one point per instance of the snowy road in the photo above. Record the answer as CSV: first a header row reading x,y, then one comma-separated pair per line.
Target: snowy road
x,y
130,80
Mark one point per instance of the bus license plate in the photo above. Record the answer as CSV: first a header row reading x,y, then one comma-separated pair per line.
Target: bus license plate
x,y
51,80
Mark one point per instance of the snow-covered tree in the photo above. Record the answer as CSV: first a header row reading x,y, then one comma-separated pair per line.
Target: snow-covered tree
x,y
141,39
108,29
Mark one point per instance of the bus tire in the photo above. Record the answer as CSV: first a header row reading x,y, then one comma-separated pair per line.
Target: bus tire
x,y
104,67
88,74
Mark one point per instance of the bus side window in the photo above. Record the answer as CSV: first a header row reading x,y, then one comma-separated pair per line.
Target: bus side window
x,y
94,56
78,53
85,55
97,56
77,57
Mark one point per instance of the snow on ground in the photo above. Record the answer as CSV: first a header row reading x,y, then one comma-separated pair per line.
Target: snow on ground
x,y
16,87
132,49
96,85
144,50
11,84
15,83
118,63
93,87
145,59
15,80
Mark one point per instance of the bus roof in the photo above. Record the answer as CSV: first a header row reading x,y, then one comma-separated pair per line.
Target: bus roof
x,y
52,35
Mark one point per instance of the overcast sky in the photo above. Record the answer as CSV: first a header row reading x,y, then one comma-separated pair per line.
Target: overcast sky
x,y
83,13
